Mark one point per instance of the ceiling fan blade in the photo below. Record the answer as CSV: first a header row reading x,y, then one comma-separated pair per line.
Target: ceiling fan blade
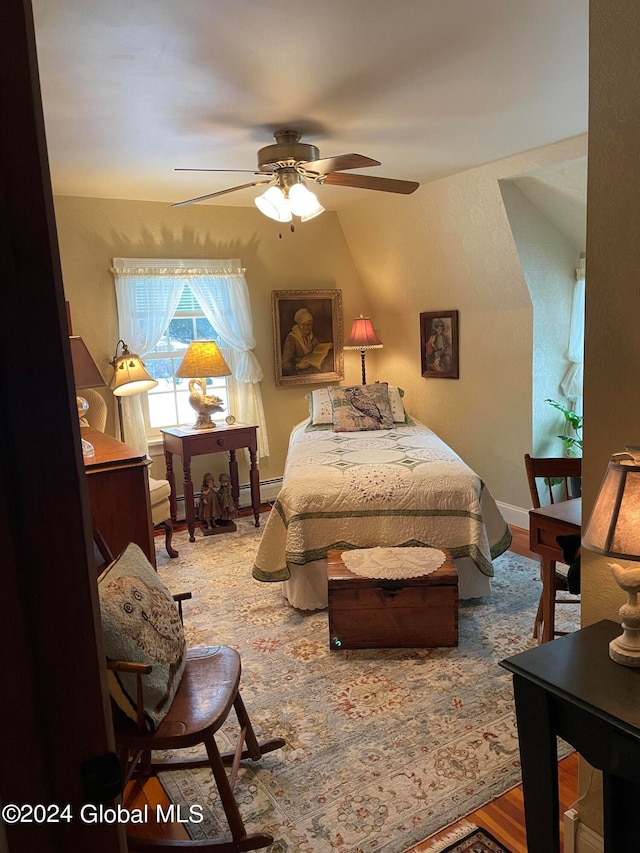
x,y
338,163
220,192
372,182
247,171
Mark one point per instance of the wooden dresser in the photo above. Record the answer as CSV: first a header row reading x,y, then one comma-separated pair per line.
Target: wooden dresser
x,y
118,482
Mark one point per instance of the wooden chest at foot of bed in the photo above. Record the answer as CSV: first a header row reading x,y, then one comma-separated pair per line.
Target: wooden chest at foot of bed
x,y
372,613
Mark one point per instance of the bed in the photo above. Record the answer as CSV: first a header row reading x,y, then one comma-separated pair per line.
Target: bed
x,y
396,486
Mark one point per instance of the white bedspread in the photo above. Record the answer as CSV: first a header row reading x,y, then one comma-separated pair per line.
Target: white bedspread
x,y
392,488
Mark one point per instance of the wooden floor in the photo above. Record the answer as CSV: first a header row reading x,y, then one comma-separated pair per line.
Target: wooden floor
x,y
503,817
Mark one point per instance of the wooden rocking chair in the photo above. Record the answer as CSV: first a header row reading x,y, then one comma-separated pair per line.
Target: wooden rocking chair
x,y
208,689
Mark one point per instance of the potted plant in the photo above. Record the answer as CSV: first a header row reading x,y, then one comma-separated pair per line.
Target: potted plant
x,y
572,440
573,424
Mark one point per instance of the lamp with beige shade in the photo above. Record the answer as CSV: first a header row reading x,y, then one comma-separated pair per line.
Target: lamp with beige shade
x,y
202,360
614,531
130,377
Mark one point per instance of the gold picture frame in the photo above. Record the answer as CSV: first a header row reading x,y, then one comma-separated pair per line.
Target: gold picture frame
x,y
307,336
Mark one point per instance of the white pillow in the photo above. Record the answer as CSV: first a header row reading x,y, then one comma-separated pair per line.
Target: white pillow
x,y
320,407
397,407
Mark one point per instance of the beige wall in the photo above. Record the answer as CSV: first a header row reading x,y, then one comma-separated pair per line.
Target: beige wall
x,y
447,246
549,264
93,231
450,246
612,345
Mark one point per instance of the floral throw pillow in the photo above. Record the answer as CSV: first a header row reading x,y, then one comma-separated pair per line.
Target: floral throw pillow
x,y
361,407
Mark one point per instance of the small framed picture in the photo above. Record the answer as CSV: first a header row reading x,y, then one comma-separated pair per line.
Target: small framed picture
x,y
439,344
307,336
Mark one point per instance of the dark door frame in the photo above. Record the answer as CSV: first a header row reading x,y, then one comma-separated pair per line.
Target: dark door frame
x,y
54,710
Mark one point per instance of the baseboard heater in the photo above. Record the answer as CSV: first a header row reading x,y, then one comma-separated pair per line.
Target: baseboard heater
x,y
268,491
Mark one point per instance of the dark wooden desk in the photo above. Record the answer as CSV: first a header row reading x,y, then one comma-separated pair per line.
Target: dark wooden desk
x,y
572,689
188,443
545,524
118,480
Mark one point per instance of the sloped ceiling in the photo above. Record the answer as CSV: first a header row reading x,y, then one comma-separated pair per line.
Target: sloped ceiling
x,y
560,192
133,89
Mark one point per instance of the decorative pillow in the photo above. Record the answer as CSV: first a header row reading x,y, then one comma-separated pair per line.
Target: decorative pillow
x,y
361,407
140,623
320,408
397,406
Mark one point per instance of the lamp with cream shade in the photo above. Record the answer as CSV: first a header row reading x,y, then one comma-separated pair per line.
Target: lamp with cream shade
x,y
363,337
202,360
613,530
130,377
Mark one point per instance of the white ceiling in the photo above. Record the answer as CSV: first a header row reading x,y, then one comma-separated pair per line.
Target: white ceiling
x,y
134,88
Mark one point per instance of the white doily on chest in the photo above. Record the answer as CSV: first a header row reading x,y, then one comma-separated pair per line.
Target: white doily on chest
x,y
393,563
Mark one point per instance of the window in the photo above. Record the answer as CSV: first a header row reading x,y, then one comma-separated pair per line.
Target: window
x,y
163,304
167,404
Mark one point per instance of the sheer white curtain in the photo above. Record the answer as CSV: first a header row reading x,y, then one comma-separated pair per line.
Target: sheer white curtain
x,y
148,292
224,298
147,296
572,382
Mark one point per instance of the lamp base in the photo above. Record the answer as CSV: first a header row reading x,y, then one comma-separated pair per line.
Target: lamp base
x,y
204,404
625,649
204,422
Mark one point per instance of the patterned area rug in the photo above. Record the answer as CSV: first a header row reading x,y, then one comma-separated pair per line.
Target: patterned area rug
x,y
477,840
384,747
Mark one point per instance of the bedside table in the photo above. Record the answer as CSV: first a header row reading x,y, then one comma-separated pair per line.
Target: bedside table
x,y
187,443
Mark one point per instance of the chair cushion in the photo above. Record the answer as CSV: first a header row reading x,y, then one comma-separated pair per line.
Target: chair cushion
x,y
140,623
159,490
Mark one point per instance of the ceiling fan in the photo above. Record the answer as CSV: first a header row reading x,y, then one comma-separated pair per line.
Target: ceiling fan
x,y
287,166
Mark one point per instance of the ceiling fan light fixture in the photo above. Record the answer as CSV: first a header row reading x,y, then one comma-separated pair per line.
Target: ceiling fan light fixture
x,y
316,211
304,203
274,205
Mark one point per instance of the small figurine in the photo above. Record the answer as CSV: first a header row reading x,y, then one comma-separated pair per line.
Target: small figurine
x,y
208,506
228,508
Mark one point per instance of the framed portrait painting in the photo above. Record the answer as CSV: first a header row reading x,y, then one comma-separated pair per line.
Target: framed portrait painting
x,y
307,336
439,344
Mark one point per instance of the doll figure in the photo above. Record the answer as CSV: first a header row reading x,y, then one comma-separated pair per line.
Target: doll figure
x,y
208,506
228,509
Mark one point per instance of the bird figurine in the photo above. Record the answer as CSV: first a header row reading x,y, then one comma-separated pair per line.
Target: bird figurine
x,y
203,403
364,404
627,579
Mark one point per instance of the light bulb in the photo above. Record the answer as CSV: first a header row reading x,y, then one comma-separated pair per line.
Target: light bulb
x,y
312,213
274,205
304,203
